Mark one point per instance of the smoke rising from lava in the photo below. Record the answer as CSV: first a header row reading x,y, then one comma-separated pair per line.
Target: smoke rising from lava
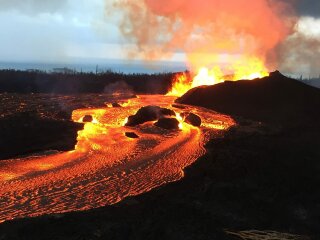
x,y
210,32
300,52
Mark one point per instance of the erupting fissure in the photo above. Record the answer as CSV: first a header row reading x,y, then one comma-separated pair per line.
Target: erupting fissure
x,y
218,40
253,68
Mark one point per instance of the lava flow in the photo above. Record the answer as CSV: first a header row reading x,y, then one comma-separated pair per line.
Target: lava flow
x,y
106,165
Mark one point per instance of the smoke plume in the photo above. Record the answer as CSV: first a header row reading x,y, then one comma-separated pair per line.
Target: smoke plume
x,y
208,31
300,52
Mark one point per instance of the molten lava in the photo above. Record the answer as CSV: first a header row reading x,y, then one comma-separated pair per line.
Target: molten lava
x,y
252,68
106,165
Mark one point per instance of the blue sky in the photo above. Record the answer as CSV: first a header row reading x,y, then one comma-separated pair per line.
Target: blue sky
x,y
68,30
60,31
57,30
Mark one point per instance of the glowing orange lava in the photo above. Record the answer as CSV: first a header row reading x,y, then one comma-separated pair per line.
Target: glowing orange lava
x,y
106,166
247,69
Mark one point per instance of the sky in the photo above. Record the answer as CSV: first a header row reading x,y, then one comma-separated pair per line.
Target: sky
x,y
37,30
81,30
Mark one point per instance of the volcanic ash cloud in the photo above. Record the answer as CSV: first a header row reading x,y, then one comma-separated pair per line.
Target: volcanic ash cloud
x,y
208,31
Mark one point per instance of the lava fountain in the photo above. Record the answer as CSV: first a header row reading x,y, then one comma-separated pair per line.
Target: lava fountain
x,y
220,40
253,68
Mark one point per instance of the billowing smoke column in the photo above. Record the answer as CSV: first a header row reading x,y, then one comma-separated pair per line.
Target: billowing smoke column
x,y
211,32
300,53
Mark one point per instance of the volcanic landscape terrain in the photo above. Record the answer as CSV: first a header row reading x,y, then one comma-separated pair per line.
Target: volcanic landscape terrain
x,y
256,178
107,164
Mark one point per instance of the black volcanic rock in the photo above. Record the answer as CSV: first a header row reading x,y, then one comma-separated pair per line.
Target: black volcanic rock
x,y
116,105
274,99
64,115
147,114
131,135
167,112
192,119
144,114
87,118
27,133
168,123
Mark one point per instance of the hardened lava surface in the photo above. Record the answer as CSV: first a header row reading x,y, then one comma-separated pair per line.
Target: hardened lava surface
x,y
106,166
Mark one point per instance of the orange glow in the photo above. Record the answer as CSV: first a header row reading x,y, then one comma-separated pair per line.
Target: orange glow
x,y
244,69
180,119
125,104
217,126
7,176
106,166
251,69
125,121
45,166
209,32
95,113
207,77
181,84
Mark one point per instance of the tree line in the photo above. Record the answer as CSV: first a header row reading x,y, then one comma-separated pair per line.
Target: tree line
x,y
16,81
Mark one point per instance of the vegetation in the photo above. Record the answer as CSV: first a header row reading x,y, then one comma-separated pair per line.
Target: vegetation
x,y
75,82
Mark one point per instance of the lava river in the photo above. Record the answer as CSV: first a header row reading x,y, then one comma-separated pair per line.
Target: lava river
x,y
106,166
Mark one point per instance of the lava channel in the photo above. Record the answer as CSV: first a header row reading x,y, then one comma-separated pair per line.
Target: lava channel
x,y
106,166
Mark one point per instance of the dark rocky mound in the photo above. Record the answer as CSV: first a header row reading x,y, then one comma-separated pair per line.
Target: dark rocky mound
x,y
147,114
192,119
178,106
87,118
168,123
116,105
274,99
167,112
131,135
27,133
63,115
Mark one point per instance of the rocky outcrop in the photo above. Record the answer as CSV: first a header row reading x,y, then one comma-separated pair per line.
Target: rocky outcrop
x,y
87,118
168,123
131,135
147,114
116,105
192,119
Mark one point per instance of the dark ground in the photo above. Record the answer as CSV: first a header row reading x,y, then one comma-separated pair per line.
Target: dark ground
x,y
256,176
263,179
36,123
36,106
27,133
